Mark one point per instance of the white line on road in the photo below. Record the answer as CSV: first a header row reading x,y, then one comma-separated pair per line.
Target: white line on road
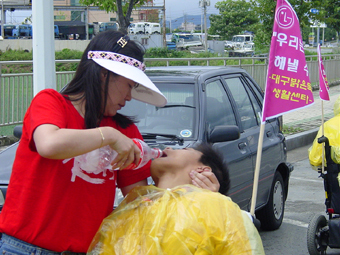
x,y
295,222
308,180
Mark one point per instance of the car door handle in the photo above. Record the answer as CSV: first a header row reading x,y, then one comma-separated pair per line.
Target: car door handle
x,y
241,146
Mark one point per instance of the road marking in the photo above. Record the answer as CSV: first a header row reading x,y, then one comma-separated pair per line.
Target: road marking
x,y
308,180
295,222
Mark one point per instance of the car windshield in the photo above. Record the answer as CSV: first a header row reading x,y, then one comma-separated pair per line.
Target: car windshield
x,y
190,37
238,39
176,117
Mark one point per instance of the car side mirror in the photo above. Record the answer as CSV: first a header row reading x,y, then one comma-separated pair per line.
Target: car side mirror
x,y
224,134
17,131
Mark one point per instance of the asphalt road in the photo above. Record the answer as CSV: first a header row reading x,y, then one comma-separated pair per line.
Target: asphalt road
x,y
305,199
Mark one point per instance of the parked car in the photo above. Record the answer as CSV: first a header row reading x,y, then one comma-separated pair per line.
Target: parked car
x,y
6,162
137,28
104,26
22,31
207,104
152,28
186,40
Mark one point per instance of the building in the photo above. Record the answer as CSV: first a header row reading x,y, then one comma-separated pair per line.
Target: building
x,y
187,26
140,15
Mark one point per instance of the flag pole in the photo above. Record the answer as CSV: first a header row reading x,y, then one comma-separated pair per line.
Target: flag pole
x,y
257,169
322,90
322,133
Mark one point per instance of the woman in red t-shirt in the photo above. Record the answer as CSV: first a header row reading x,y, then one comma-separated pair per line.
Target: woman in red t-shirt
x,y
52,203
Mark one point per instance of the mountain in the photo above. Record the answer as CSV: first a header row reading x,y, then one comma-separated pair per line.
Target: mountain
x,y
196,19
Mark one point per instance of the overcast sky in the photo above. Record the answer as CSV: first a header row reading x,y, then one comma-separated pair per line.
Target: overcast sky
x,y
174,9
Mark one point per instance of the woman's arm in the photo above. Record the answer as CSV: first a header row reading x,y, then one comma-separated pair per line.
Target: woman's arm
x,y
61,143
126,189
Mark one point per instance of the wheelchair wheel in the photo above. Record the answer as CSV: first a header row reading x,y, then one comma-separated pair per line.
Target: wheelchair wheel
x,y
317,235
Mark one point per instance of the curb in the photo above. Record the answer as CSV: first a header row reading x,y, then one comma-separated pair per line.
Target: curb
x,y
301,139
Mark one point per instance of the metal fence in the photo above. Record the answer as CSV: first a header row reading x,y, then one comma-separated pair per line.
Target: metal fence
x,y
16,90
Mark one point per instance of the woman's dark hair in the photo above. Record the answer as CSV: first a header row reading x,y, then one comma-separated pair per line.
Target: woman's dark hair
x,y
87,79
213,158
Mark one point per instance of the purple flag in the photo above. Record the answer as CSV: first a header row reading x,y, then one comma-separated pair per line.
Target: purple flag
x,y
288,85
324,88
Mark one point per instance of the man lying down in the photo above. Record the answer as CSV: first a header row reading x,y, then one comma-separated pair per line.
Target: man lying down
x,y
176,217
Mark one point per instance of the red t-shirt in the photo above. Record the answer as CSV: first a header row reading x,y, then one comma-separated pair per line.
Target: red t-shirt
x,y
43,205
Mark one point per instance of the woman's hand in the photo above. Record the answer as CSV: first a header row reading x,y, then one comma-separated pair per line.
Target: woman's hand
x,y
127,150
205,180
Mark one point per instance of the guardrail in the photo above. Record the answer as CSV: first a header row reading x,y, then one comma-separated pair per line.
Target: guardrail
x,y
16,89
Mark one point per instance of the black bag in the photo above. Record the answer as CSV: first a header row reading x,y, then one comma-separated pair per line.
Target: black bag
x,y
334,233
334,189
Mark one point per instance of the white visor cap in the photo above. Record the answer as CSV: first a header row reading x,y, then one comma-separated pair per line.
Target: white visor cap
x,y
146,91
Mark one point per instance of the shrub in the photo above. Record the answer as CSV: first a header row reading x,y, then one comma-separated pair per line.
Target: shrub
x,y
68,54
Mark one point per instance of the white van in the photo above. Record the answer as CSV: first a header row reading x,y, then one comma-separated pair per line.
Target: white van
x,y
152,28
137,28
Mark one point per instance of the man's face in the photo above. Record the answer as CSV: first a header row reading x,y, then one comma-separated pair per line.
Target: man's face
x,y
177,160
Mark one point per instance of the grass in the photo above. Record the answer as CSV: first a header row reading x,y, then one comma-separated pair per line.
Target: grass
x,y
7,131
289,130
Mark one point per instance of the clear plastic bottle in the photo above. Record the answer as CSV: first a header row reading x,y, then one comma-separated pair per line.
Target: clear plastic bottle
x,y
107,155
99,160
146,153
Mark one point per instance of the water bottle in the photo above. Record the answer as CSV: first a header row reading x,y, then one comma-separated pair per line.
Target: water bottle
x,y
105,155
146,153
99,160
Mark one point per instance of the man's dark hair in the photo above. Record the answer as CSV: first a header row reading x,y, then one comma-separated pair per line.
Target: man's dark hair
x,y
87,79
214,159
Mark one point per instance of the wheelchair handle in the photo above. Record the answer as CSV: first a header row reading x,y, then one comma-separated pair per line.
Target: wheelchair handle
x,y
323,139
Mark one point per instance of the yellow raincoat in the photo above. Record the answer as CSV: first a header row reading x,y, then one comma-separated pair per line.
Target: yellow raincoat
x,y
183,220
332,132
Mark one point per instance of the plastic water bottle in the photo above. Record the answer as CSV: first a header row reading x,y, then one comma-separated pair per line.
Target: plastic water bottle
x,y
105,155
99,160
146,153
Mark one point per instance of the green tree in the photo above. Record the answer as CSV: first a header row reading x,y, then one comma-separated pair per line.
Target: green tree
x,y
265,9
123,8
234,18
330,14
28,20
153,16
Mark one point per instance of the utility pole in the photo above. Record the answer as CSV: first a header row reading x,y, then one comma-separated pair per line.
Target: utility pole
x,y
2,19
170,22
87,23
164,25
202,23
204,4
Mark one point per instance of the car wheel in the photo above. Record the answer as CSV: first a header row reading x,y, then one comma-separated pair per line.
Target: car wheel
x,y
317,235
271,215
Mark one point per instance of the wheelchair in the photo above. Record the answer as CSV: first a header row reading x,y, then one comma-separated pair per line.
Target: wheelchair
x,y
322,232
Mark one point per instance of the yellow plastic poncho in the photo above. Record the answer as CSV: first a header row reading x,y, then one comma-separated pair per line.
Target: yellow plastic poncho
x,y
183,220
332,132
